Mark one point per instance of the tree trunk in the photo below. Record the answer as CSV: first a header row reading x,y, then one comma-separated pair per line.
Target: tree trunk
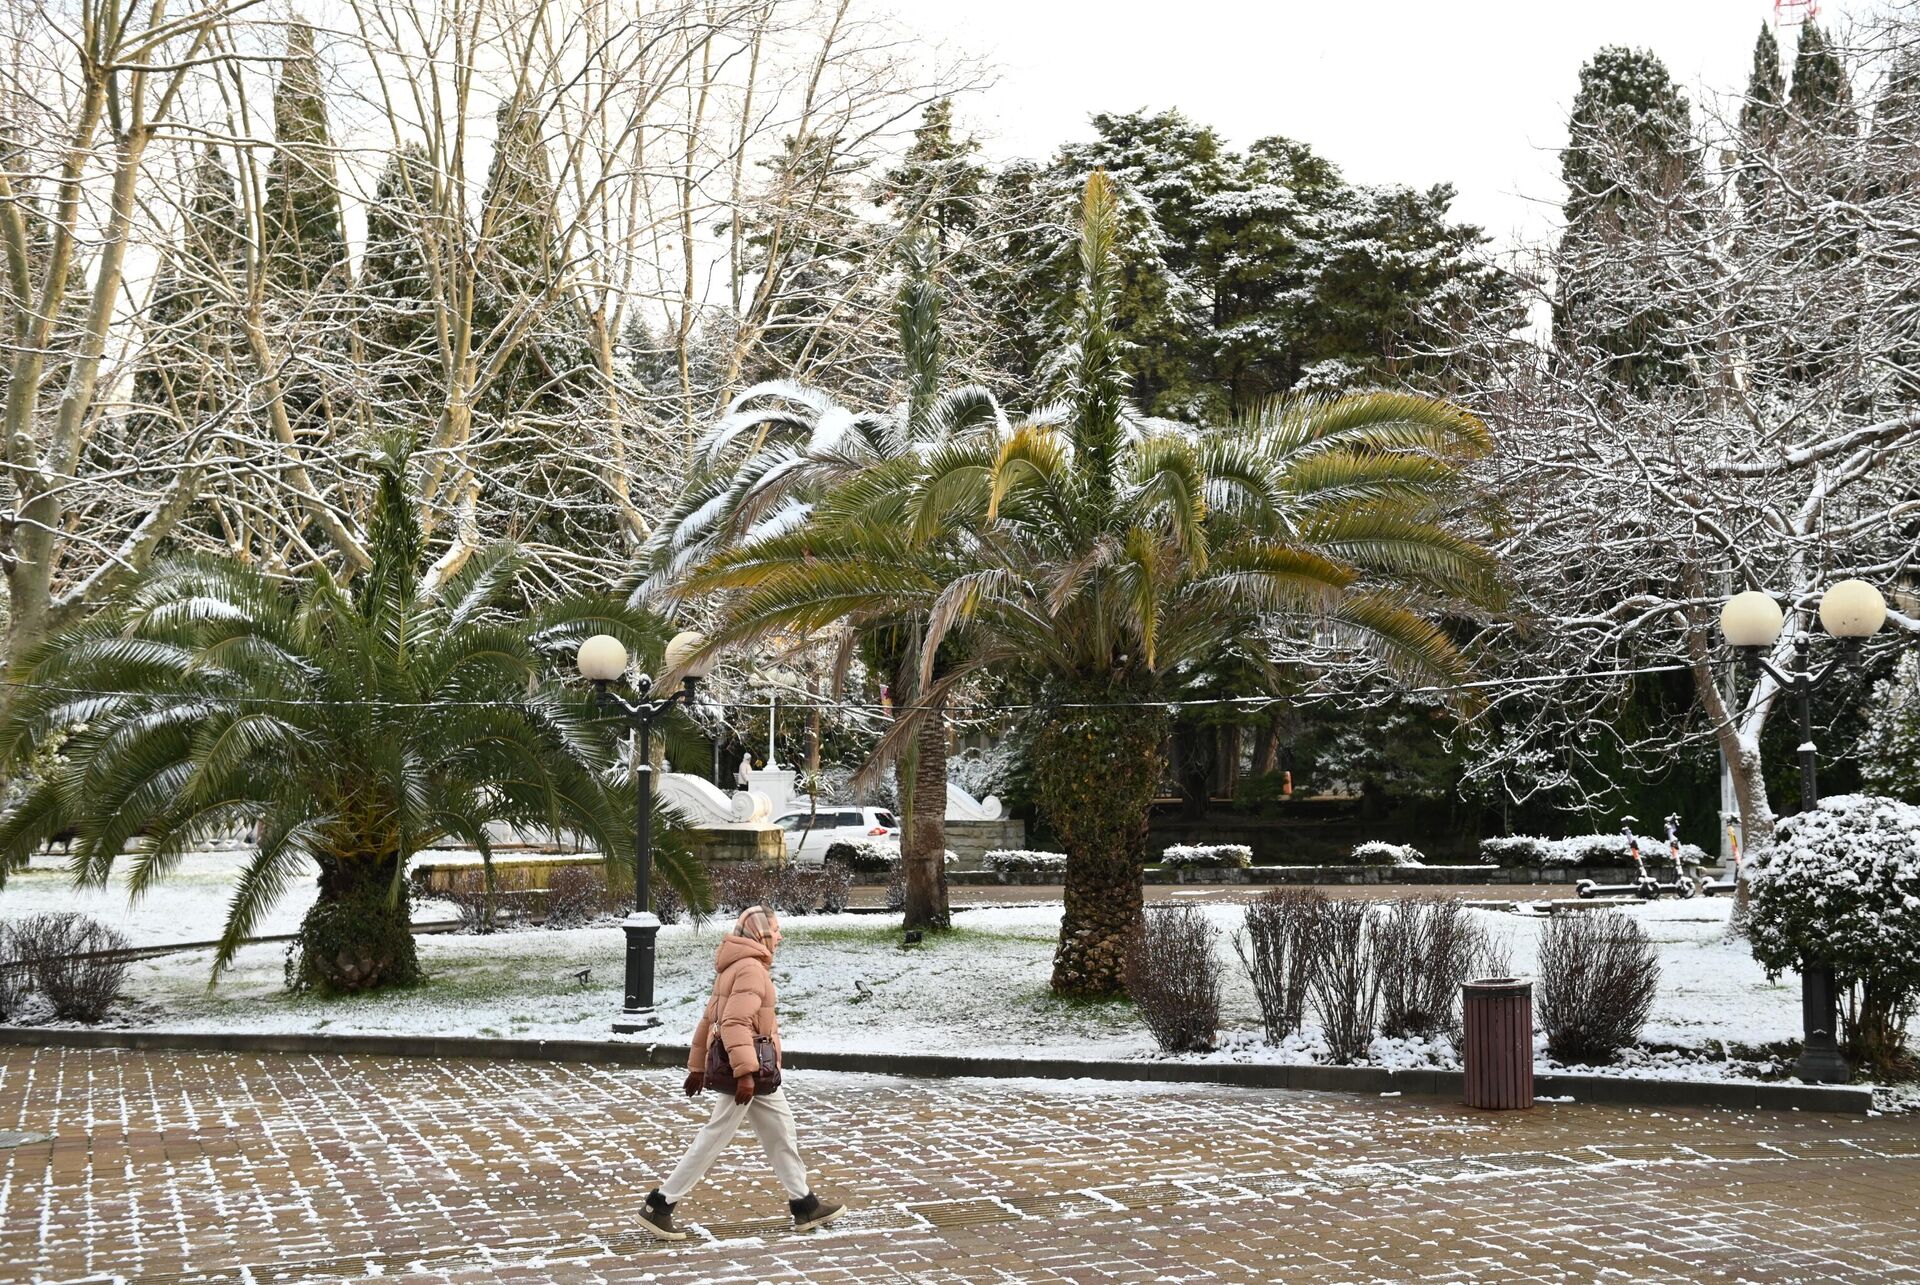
x,y
1096,770
358,935
924,857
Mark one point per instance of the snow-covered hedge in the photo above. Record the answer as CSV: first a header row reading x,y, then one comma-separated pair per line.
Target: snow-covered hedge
x,y
1207,856
867,858
1025,861
1375,853
1581,850
1842,884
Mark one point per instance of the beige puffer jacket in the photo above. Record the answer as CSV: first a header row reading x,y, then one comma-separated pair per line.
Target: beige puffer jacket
x,y
741,1007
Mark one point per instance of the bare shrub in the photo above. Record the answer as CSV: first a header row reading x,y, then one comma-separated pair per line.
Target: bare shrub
x,y
897,889
14,979
73,962
475,900
836,887
795,891
1424,948
1344,982
1173,977
575,896
669,906
1598,977
738,885
1276,946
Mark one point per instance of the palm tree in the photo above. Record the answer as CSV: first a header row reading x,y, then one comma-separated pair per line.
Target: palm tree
x,y
349,728
781,446
1093,554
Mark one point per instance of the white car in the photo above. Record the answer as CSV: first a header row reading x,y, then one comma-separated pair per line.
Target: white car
x,y
809,833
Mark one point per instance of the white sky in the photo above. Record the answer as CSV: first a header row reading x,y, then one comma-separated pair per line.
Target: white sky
x,y
1471,92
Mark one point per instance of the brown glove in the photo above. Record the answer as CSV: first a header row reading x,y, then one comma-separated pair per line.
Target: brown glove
x,y
695,1082
743,1090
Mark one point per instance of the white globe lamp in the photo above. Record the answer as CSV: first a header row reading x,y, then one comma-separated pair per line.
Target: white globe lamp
x,y
1852,609
1751,619
602,658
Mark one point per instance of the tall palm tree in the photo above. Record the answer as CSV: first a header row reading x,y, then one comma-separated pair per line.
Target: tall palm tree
x,y
349,728
781,446
1093,553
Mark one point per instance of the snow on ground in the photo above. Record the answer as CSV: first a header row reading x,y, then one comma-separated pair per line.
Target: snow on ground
x,y
981,990
190,904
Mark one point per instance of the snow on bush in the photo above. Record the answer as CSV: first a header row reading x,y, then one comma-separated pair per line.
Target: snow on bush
x,y
1009,861
867,858
1375,853
1208,856
1841,885
1580,850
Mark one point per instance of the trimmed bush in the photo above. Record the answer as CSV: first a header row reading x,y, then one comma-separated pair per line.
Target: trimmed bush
x,y
1207,856
897,890
1276,946
1581,850
1841,885
1173,977
788,889
61,955
1009,861
1599,974
1343,982
864,858
1424,947
1375,853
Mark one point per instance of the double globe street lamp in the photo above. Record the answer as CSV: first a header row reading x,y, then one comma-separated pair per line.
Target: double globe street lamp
x,y
1851,611
603,660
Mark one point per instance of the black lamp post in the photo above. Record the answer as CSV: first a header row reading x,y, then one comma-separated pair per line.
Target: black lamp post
x,y
603,659
1850,611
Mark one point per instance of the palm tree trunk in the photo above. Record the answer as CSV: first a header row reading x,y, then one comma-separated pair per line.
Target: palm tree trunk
x,y
358,936
1097,770
926,851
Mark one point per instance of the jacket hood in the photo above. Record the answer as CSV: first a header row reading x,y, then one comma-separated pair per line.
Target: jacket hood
x,y
735,949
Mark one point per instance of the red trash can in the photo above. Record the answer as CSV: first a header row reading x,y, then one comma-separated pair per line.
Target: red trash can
x,y
1497,1046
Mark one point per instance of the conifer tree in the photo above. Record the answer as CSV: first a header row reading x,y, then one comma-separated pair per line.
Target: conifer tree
x,y
305,244
1763,115
939,183
1629,152
398,332
1821,98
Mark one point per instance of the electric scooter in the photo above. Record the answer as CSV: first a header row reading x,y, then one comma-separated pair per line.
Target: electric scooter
x,y
1643,885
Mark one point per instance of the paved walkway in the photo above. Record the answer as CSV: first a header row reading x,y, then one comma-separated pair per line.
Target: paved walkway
x,y
188,1167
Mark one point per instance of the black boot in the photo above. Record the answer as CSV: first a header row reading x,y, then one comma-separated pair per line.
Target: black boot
x,y
657,1217
809,1213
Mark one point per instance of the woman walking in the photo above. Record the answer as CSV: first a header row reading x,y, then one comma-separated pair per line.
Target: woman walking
x,y
736,1053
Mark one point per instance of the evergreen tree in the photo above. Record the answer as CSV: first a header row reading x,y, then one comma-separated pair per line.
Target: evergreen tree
x,y
939,183
1763,116
1821,98
398,331
542,456
306,245
1629,151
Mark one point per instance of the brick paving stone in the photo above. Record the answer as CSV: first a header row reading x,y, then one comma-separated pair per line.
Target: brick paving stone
x,y
254,1169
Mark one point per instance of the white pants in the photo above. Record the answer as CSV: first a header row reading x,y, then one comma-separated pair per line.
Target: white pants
x,y
772,1122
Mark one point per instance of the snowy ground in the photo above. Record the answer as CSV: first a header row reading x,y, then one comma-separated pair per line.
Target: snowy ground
x,y
190,904
981,990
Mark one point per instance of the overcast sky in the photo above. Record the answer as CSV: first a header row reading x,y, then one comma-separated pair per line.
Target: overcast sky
x,y
1471,92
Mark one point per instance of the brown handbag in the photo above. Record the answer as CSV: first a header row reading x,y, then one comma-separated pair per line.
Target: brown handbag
x,y
720,1076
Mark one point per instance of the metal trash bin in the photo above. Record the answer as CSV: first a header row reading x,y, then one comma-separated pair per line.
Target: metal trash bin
x,y
1497,1046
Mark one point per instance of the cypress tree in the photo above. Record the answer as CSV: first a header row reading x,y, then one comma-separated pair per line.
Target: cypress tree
x,y
396,293
306,247
1763,116
1821,98
1629,150
938,184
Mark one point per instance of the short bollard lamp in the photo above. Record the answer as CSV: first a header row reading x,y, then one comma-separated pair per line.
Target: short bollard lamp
x,y
603,660
1850,611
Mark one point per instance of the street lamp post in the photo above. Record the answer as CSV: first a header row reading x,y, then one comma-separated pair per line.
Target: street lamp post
x,y
1851,611
603,659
